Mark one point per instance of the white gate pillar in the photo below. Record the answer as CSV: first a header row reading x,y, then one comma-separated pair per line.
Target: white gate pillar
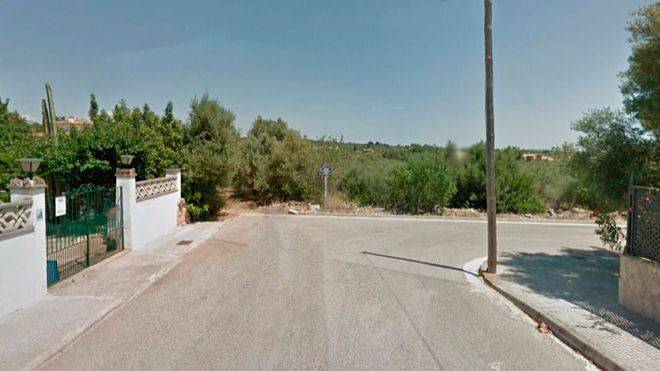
x,y
23,248
126,180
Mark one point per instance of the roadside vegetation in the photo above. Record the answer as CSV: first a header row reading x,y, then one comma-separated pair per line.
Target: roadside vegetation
x,y
273,162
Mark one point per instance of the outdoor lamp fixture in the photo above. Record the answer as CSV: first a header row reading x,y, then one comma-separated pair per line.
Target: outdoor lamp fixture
x,y
126,160
29,165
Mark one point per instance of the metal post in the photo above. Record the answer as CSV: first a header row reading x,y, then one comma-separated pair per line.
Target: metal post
x,y
87,259
325,191
121,215
490,139
630,212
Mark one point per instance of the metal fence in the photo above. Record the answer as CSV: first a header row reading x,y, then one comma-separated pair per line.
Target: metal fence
x,y
81,230
644,223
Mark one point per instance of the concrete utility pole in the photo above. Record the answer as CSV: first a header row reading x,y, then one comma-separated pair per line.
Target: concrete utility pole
x,y
490,139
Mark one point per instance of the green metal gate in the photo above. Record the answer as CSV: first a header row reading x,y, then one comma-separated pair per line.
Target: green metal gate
x,y
83,227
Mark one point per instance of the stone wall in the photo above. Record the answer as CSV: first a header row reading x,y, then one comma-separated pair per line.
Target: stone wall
x,y
639,286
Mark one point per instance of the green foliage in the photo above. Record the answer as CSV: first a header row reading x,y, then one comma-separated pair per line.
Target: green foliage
x,y
610,148
421,184
15,142
366,186
92,155
209,153
610,234
516,189
554,182
275,164
641,82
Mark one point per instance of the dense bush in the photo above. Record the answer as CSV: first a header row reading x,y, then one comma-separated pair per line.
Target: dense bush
x,y
365,186
516,189
554,180
421,184
275,163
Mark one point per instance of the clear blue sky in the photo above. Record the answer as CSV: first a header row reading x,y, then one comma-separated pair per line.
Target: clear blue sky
x,y
391,71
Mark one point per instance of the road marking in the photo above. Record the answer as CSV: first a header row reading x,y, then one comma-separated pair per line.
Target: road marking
x,y
438,220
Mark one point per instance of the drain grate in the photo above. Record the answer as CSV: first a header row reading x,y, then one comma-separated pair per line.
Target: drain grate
x,y
184,242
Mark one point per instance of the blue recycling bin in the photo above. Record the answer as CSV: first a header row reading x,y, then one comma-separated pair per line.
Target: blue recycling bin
x,y
52,274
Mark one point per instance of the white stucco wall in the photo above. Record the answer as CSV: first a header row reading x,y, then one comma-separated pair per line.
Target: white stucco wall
x,y
22,272
23,257
154,218
147,220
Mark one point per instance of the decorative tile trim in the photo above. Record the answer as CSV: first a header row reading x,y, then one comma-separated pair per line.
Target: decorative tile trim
x,y
15,218
147,189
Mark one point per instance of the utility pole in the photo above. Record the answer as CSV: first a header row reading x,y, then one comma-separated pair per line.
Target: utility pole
x,y
490,139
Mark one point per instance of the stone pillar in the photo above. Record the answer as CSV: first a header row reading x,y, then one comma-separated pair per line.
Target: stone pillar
x,y
126,181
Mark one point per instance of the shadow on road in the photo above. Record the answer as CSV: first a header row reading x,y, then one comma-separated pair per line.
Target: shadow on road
x,y
418,262
587,278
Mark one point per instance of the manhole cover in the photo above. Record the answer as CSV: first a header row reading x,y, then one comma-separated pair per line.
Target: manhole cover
x,y
184,242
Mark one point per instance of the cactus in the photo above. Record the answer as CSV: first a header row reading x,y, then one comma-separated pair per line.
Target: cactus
x,y
44,116
48,113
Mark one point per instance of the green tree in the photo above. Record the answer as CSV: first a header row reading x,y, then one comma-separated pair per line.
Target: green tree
x,y
275,162
611,147
16,141
211,145
121,110
641,82
168,116
93,107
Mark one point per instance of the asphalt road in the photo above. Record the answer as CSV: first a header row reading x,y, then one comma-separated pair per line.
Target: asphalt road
x,y
275,292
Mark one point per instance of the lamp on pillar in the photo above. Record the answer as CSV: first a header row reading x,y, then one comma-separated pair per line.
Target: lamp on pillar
x,y
126,161
29,165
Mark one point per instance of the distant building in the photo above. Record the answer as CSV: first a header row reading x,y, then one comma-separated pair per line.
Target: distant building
x,y
536,157
72,122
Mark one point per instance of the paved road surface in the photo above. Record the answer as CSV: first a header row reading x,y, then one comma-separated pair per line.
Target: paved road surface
x,y
274,291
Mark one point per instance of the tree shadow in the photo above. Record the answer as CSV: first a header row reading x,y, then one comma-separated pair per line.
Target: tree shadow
x,y
588,278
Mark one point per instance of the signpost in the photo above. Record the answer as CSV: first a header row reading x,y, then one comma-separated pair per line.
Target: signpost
x,y
325,171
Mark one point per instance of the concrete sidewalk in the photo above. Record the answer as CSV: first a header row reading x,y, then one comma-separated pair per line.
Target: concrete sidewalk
x,y
32,335
574,292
